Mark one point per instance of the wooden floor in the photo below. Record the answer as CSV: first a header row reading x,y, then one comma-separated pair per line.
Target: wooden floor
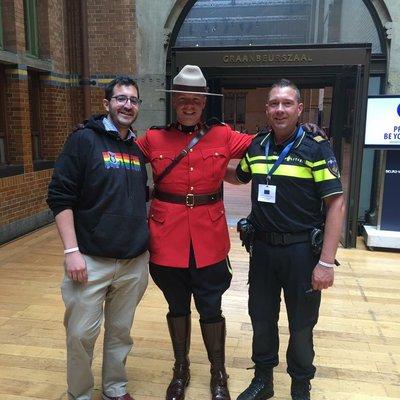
x,y
357,338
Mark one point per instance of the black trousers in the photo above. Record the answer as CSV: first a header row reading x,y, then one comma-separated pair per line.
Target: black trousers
x,y
273,268
207,286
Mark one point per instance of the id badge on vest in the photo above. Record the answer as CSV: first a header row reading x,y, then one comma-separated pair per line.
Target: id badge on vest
x,y
267,193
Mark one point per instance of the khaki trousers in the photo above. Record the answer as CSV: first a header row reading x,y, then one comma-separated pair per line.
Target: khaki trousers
x,y
118,285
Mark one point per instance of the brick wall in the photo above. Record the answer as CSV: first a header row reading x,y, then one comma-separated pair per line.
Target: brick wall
x,y
96,99
112,37
44,28
18,123
13,25
112,51
22,196
56,118
59,32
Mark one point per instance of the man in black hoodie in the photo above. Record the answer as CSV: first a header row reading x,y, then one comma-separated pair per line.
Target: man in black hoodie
x,y
98,197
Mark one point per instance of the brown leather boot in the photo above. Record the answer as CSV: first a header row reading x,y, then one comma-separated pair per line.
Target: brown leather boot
x,y
214,340
179,330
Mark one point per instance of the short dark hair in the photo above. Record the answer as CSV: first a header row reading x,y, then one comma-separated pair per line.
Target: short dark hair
x,y
119,80
282,83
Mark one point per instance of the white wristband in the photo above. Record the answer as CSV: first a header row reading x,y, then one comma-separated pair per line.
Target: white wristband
x,y
327,265
71,250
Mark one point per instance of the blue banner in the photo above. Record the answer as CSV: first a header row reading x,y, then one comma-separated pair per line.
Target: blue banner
x,y
390,220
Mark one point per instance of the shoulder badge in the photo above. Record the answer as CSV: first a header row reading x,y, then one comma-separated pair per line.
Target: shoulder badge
x,y
333,167
318,138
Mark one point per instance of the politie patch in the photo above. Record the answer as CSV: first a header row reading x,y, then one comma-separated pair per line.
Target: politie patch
x,y
333,166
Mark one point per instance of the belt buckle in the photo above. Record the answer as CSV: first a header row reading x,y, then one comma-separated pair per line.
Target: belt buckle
x,y
190,200
277,239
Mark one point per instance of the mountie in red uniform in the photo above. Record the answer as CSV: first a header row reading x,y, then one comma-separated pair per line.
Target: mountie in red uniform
x,y
174,226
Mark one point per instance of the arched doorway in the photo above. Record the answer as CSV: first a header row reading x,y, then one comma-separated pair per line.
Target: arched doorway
x,y
335,50
209,23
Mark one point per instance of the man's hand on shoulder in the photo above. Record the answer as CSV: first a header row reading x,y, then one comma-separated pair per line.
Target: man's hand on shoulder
x,y
313,128
322,277
75,266
230,175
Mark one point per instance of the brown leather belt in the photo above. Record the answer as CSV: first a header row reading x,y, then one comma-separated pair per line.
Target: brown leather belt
x,y
190,199
282,238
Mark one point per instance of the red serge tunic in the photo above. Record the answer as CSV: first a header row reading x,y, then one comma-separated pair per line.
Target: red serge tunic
x,y
174,226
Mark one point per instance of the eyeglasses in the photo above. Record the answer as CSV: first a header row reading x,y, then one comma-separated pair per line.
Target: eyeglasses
x,y
122,100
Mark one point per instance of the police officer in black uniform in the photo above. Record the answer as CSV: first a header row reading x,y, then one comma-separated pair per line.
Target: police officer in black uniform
x,y
296,192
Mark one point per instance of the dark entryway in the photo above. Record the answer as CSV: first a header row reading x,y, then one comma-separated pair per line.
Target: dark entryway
x,y
338,76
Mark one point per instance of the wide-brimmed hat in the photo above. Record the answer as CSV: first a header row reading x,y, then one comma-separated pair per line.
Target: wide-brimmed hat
x,y
190,80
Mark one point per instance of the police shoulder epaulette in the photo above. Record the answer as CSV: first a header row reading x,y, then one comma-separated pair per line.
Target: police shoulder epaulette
x,y
319,138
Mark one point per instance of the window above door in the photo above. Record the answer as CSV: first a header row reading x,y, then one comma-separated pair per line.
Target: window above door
x,y
212,23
